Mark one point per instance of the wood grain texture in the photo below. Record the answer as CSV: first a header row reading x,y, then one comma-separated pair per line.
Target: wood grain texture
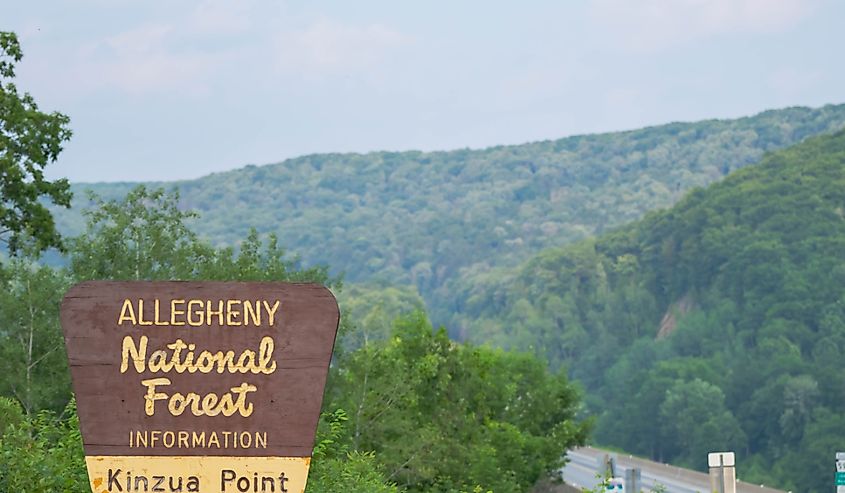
x,y
286,404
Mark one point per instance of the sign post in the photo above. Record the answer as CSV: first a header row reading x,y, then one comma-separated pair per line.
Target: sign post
x,y
198,386
633,479
840,472
722,472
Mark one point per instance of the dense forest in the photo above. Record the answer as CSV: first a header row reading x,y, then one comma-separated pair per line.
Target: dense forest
x,y
716,324
422,219
411,412
712,324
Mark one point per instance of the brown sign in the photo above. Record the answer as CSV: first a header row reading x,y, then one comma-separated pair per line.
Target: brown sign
x,y
198,386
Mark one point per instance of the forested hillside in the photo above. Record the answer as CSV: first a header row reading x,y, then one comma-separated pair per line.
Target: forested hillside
x,y
412,412
418,218
716,324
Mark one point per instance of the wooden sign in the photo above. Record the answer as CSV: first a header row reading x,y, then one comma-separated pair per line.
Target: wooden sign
x,y
198,386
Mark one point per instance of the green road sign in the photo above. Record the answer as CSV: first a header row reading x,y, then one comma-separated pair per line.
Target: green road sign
x,y
840,479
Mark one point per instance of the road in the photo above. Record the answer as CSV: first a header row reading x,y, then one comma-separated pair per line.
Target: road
x,y
584,464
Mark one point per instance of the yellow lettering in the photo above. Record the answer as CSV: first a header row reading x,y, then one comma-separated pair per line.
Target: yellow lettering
x,y
265,356
246,362
127,313
168,443
232,314
141,320
214,313
199,312
271,311
240,404
152,396
198,439
183,439
205,362
194,399
208,403
180,360
252,312
174,312
138,354
227,360
156,313
176,405
176,360
158,362
189,359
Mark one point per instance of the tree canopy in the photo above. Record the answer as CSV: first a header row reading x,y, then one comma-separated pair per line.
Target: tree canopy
x,y
30,140
441,221
406,409
716,324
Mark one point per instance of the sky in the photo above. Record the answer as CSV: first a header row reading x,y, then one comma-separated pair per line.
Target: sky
x,y
164,90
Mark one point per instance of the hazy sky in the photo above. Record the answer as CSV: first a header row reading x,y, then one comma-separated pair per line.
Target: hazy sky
x,y
160,90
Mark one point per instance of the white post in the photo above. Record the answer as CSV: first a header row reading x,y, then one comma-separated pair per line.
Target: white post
x,y
840,472
633,479
722,472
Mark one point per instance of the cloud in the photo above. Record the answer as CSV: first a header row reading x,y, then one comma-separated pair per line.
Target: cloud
x,y
150,58
329,47
185,53
143,39
657,25
178,55
156,72
221,17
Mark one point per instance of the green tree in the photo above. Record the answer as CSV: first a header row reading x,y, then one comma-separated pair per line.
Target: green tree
x,y
337,468
799,396
695,420
444,416
29,141
372,310
144,236
811,466
425,412
32,356
41,452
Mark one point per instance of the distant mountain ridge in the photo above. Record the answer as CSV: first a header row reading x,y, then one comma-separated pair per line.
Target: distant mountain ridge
x,y
422,217
717,324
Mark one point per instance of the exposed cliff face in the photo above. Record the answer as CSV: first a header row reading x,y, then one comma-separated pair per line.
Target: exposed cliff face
x,y
674,314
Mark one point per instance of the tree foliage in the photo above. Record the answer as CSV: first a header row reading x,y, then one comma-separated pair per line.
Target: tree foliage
x,y
371,310
29,140
454,404
42,452
442,221
145,236
445,416
32,354
718,323
337,467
